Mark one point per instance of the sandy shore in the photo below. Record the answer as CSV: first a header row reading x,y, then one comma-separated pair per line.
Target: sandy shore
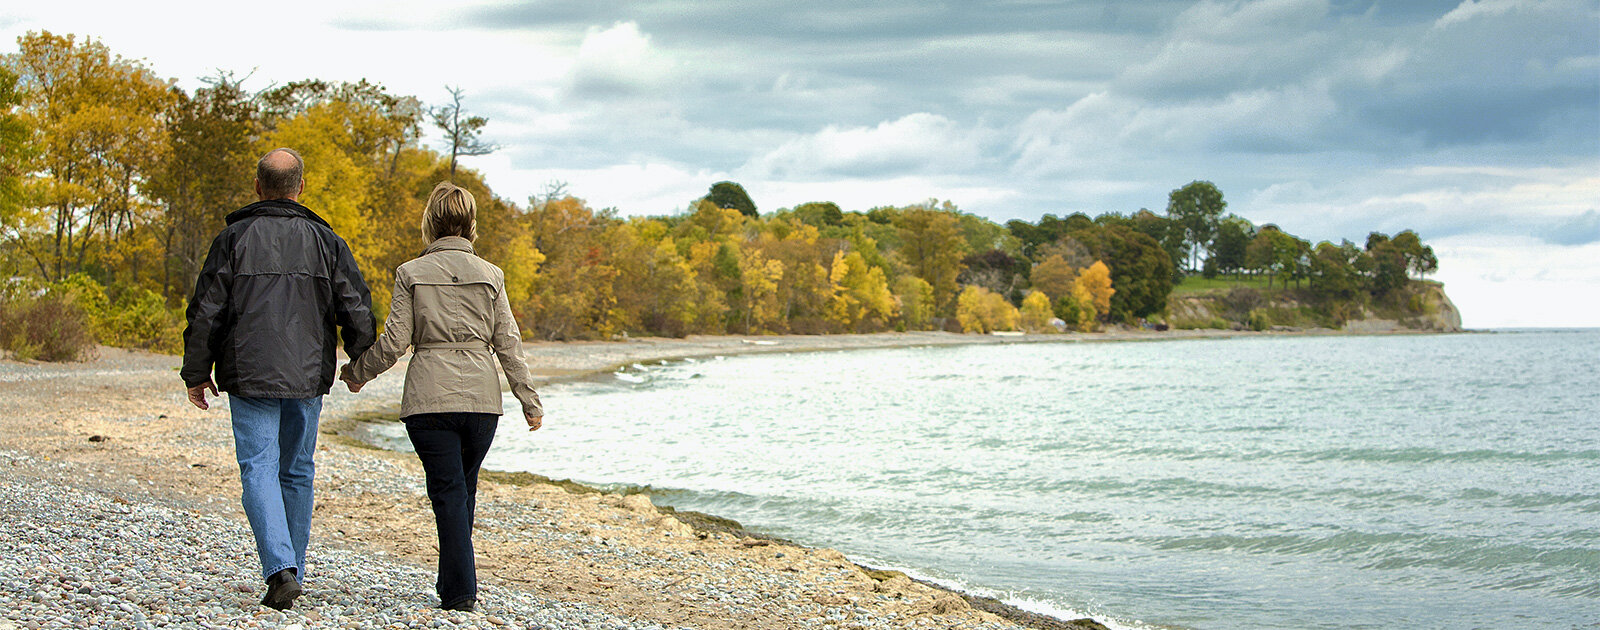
x,y
117,432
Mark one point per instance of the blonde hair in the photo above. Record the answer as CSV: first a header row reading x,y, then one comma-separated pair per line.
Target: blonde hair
x,y
451,211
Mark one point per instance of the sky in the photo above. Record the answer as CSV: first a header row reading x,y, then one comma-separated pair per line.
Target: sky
x,y
1475,123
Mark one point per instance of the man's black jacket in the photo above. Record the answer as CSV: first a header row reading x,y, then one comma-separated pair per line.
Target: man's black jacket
x,y
274,286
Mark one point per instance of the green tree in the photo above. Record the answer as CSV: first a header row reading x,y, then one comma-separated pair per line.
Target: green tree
x,y
819,213
1228,252
732,195
1140,269
1197,207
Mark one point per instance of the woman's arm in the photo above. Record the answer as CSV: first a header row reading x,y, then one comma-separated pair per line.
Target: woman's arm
x,y
508,346
394,341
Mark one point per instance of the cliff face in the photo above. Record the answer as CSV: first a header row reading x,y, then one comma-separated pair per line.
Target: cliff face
x,y
1421,306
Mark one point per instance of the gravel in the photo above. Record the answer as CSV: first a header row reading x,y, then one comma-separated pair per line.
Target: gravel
x,y
77,558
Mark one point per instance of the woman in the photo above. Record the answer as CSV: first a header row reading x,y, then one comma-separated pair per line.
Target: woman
x,y
451,307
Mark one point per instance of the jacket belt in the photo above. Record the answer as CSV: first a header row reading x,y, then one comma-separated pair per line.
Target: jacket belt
x,y
456,345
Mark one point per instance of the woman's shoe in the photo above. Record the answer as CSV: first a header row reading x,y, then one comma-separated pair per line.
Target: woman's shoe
x,y
463,605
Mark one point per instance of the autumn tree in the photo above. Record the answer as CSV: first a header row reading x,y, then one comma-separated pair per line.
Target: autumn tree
x,y
915,298
212,136
933,246
462,131
983,311
97,121
1140,269
15,151
1054,276
1036,313
862,300
1093,286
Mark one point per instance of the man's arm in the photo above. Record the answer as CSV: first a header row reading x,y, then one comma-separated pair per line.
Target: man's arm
x,y
352,303
207,317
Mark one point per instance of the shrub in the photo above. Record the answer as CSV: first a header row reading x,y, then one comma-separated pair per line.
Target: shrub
x,y
1260,320
48,327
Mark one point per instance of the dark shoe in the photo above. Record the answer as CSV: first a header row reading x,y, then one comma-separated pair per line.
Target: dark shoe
x,y
282,588
464,605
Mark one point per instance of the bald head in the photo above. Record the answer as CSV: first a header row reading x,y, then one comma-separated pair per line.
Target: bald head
x,y
279,175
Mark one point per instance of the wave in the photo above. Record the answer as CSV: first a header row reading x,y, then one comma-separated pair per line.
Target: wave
x,y
1432,455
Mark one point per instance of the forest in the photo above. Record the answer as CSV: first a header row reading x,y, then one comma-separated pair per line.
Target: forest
x,y
114,180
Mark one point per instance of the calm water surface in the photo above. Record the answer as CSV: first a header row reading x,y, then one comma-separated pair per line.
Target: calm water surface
x,y
1309,482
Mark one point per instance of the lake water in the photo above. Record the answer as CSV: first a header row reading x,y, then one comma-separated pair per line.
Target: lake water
x,y
1289,482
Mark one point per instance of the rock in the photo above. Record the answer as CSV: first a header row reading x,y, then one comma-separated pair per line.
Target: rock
x,y
673,526
830,599
949,603
639,503
897,586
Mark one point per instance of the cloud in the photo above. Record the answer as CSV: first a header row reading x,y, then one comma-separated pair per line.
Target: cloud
x,y
1499,282
915,143
619,61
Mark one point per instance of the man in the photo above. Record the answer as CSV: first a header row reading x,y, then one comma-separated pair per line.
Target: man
x,y
273,288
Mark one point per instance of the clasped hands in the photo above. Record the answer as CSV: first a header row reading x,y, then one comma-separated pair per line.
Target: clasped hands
x,y
534,422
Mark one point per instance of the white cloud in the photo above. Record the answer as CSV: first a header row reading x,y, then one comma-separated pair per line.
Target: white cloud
x,y
619,61
919,142
1500,282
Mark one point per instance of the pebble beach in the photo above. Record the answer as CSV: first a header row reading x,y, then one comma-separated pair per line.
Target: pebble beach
x,y
121,510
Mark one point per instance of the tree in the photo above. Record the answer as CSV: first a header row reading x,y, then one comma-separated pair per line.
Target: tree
x,y
15,149
1197,208
1280,254
732,195
212,136
982,311
1140,269
461,130
915,297
1093,287
1228,253
861,294
994,270
1054,276
933,246
818,213
98,125
1036,313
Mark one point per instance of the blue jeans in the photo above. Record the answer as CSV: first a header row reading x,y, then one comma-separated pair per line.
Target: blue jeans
x,y
274,440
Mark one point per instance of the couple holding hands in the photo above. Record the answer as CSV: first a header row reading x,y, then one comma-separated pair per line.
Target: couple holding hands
x,y
277,292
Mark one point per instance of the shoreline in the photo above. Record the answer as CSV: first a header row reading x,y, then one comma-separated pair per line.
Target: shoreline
x,y
589,359
114,438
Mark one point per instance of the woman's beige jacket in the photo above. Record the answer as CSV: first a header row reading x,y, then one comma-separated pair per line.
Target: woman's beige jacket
x,y
451,307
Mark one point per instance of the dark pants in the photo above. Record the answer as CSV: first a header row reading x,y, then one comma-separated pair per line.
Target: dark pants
x,y
452,446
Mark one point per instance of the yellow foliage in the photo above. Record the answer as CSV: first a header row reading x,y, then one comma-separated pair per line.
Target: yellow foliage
x,y
1054,276
759,278
1036,313
1095,283
981,310
861,293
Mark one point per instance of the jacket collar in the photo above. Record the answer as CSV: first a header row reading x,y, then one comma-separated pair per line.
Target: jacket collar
x,y
455,243
275,208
